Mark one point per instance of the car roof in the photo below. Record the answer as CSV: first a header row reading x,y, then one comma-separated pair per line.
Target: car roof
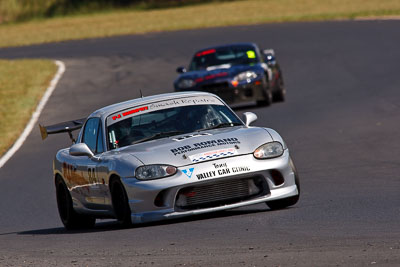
x,y
228,45
111,109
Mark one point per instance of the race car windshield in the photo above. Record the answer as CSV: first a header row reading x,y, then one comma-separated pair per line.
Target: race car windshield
x,y
169,122
223,56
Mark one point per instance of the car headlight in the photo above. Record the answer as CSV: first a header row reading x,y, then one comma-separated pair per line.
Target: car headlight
x,y
149,172
247,75
269,150
186,83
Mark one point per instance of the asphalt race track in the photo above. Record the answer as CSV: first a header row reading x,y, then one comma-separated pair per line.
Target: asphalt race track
x,y
340,121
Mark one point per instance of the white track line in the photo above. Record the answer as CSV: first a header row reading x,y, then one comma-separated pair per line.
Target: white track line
x,y
35,115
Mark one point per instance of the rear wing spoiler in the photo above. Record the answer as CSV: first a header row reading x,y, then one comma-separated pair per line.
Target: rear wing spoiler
x,y
62,127
269,56
269,52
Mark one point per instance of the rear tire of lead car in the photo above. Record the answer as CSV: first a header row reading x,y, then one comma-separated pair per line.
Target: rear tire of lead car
x,y
290,201
120,202
69,217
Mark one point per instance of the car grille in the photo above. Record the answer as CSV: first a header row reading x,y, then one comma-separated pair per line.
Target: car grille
x,y
220,89
220,193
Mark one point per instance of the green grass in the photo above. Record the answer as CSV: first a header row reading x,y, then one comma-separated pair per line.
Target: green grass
x,y
22,84
23,10
134,21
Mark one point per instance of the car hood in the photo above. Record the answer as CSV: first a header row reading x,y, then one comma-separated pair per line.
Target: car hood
x,y
219,72
198,147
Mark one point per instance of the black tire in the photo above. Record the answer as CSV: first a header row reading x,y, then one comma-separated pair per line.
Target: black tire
x,y
280,92
120,202
69,217
267,94
290,201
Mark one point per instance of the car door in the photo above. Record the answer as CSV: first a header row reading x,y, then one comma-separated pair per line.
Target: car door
x,y
92,137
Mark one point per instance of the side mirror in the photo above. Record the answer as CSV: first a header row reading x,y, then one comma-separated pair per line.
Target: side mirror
x,y
80,149
180,69
249,117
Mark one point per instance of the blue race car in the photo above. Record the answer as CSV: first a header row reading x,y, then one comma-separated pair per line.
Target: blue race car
x,y
236,72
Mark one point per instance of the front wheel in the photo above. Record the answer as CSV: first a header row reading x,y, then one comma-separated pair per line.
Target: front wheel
x,y
69,217
290,201
120,202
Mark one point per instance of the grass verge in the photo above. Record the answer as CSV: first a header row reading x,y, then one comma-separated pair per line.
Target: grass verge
x,y
213,14
22,85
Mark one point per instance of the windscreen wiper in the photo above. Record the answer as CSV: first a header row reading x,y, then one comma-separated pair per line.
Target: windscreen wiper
x,y
222,125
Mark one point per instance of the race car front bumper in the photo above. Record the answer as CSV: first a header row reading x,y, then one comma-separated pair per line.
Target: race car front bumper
x,y
211,186
233,95
241,93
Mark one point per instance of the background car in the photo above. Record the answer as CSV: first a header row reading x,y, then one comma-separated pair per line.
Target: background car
x,y
168,156
236,72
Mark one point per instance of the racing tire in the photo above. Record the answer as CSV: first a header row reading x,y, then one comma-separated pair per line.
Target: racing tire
x,y
120,203
267,94
69,217
280,92
289,201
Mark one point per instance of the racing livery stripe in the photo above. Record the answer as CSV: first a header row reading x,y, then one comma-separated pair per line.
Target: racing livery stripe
x,y
206,52
180,102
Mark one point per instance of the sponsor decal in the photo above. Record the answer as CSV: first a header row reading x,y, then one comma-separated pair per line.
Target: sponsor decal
x,y
76,179
187,101
251,54
181,138
180,102
213,155
72,175
129,112
220,165
92,176
206,52
222,169
206,175
116,117
240,169
205,144
136,110
188,172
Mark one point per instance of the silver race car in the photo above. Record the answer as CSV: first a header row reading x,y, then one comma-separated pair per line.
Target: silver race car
x,y
168,156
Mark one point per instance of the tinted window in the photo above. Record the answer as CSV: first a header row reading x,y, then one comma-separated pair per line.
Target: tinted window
x,y
100,147
170,121
90,133
231,55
